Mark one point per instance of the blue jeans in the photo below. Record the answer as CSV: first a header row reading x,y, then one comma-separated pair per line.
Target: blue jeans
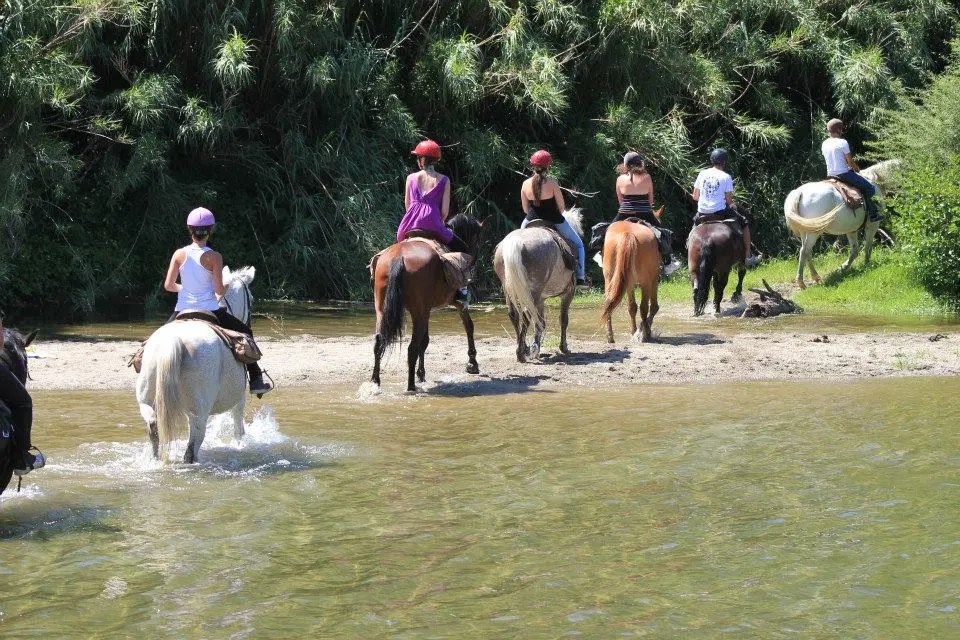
x,y
567,232
857,181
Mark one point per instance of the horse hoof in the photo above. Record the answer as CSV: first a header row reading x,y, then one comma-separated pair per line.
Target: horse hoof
x,y
801,283
564,350
473,368
534,353
736,299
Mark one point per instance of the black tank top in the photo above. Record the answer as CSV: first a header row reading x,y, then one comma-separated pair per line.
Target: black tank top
x,y
547,211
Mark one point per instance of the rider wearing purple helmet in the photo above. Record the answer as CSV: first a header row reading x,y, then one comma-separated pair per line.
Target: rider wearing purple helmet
x,y
201,283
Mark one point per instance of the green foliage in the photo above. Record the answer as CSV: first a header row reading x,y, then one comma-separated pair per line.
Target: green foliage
x,y
925,134
293,120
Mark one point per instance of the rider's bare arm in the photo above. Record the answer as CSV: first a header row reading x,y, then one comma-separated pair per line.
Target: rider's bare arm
x,y
851,162
445,206
524,201
170,282
695,195
406,192
728,197
650,182
558,194
619,195
212,261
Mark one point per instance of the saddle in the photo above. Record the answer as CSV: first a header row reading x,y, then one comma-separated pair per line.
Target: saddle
x,y
567,251
598,234
457,266
717,218
243,347
851,195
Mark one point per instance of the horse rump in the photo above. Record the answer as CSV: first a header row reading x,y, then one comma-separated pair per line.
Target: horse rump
x,y
621,257
516,282
167,403
706,263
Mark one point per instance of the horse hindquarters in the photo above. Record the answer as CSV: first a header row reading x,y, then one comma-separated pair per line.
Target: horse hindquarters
x,y
168,408
388,299
619,252
705,266
517,292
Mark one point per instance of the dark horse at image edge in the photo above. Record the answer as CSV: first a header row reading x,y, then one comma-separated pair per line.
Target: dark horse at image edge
x,y
14,357
410,275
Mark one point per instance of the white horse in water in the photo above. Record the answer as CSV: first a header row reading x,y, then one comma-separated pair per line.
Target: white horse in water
x,y
816,208
188,374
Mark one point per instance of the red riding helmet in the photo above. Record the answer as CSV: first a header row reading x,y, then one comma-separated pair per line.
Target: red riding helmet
x,y
427,149
541,158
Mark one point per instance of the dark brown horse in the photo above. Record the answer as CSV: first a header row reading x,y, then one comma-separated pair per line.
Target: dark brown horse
x,y
13,355
713,249
410,275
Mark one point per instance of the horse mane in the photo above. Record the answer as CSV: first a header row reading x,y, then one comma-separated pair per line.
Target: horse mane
x,y
884,174
14,352
243,274
465,226
574,216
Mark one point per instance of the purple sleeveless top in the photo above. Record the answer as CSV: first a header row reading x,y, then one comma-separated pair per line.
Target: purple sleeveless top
x,y
425,212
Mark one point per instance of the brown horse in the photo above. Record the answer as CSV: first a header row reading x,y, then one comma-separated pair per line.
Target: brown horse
x,y
631,258
713,248
410,275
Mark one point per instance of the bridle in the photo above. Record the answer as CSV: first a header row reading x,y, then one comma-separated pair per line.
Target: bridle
x,y
247,299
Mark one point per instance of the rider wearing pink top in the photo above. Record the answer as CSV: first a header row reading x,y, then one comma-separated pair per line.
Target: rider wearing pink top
x,y
427,199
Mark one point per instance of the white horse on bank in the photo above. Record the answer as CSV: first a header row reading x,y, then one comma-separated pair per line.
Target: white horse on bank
x,y
816,208
188,374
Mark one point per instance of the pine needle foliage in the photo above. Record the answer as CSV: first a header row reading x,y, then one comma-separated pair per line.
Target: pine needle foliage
x,y
293,120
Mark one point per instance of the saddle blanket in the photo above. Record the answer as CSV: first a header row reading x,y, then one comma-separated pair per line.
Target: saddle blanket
x,y
851,195
457,266
242,346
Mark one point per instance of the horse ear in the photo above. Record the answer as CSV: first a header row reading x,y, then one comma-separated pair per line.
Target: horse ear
x,y
483,222
658,213
29,337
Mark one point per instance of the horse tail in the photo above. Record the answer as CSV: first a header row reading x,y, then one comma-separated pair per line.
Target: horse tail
x,y
391,318
624,253
516,282
705,266
166,401
791,211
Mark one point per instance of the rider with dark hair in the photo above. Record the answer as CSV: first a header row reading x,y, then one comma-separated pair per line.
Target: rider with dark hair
x,y
18,401
842,166
635,194
201,284
713,192
427,202
542,199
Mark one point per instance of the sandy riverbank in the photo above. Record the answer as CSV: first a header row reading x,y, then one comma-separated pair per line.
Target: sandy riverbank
x,y
699,357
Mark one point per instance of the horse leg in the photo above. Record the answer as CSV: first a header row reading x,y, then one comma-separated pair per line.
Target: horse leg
x,y
869,232
565,320
538,328
413,351
198,430
806,258
738,294
632,311
854,239
472,366
654,304
154,439
519,326
379,347
644,314
421,369
719,284
237,415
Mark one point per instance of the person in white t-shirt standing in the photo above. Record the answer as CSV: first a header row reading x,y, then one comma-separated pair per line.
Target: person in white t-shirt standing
x,y
713,192
842,166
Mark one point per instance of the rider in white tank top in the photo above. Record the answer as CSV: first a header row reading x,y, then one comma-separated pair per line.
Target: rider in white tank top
x,y
197,292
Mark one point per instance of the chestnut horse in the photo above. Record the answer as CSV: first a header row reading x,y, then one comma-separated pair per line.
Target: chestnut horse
x,y
631,258
713,248
409,275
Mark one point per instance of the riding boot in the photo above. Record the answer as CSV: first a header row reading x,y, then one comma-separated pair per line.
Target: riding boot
x,y
258,385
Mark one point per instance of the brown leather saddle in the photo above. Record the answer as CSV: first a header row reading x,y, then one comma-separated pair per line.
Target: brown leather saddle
x,y
851,195
567,251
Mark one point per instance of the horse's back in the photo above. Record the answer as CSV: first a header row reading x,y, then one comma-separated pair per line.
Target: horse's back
x,y
815,199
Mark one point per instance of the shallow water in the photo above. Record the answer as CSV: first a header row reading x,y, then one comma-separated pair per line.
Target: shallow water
x,y
750,510
281,319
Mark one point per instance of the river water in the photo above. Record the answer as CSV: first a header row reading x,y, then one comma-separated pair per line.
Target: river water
x,y
753,510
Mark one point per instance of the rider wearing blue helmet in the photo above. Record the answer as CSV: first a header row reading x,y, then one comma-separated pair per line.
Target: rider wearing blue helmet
x,y
713,192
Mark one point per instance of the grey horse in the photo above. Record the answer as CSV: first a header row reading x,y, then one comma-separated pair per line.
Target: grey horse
x,y
530,265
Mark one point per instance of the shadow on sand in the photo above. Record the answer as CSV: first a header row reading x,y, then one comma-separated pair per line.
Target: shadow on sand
x,y
586,357
690,338
490,386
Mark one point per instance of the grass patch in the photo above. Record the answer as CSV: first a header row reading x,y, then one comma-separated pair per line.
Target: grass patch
x,y
886,287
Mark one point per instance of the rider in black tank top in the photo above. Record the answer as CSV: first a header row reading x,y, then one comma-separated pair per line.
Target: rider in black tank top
x,y
547,210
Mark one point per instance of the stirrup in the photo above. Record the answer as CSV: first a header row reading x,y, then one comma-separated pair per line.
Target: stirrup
x,y
273,385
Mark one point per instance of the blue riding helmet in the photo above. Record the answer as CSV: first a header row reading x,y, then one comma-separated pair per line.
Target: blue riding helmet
x,y
718,156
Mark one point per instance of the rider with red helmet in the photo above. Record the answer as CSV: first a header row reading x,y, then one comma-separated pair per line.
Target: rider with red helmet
x,y
542,199
201,284
427,202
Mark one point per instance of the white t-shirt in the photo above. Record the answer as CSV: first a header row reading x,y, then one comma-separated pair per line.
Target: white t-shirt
x,y
833,151
713,184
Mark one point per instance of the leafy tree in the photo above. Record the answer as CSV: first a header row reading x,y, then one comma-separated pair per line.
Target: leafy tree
x,y
293,119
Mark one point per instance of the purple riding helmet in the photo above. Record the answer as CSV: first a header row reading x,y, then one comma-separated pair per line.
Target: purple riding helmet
x,y
201,217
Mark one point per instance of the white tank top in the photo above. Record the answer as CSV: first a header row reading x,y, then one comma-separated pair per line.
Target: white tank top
x,y
197,291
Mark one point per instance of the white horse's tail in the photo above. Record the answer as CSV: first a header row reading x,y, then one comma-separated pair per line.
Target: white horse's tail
x,y
516,283
791,211
166,401
800,225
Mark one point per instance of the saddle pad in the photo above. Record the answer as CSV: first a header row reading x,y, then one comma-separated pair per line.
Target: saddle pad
x,y
457,266
242,346
851,196
567,251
